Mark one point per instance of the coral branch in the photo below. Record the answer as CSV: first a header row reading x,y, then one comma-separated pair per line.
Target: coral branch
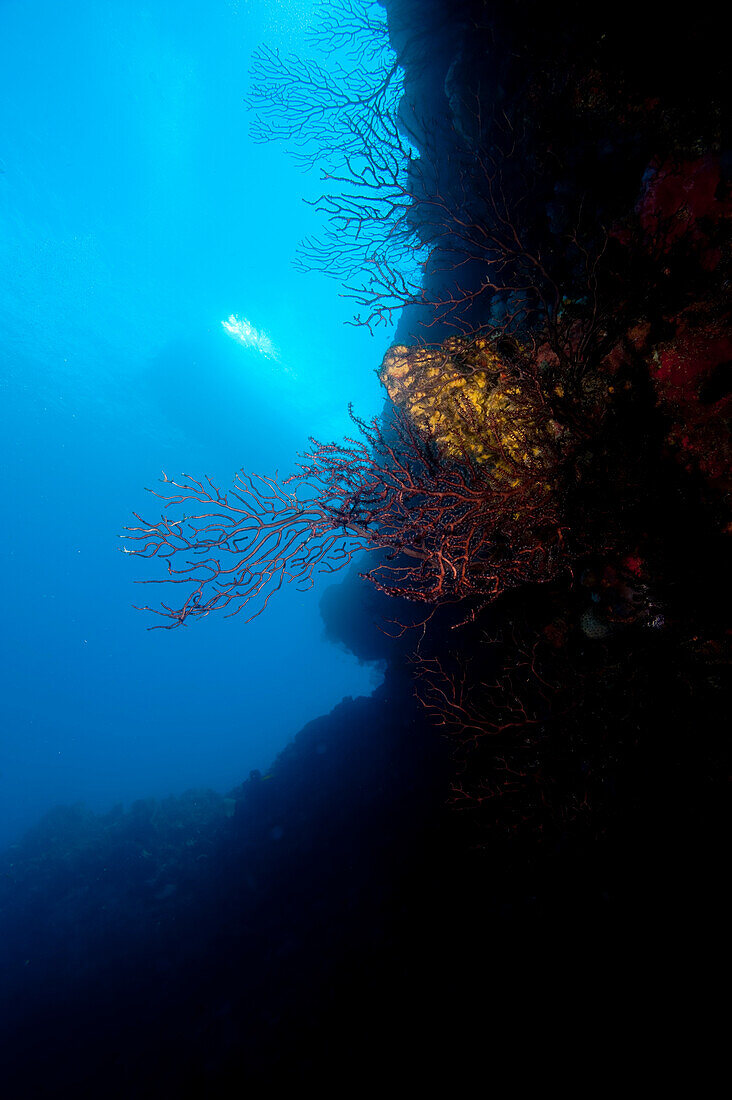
x,y
453,491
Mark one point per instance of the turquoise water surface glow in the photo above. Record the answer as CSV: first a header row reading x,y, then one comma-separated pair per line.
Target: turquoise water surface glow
x,y
151,319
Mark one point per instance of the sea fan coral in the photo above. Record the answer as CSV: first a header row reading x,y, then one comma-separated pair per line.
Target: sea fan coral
x,y
459,489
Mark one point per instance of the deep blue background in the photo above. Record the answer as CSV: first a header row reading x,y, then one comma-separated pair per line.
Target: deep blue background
x,y
135,216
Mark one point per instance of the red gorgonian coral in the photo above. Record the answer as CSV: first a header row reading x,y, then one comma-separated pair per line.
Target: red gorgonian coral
x,y
447,523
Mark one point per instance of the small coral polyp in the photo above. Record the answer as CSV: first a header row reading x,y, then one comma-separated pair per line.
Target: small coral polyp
x,y
465,397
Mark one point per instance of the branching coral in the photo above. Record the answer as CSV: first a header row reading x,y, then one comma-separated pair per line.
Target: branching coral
x,y
457,489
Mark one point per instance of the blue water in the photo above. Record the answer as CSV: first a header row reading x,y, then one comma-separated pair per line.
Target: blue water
x,y
136,216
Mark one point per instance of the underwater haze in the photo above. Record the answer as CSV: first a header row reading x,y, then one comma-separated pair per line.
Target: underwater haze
x,y
151,320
